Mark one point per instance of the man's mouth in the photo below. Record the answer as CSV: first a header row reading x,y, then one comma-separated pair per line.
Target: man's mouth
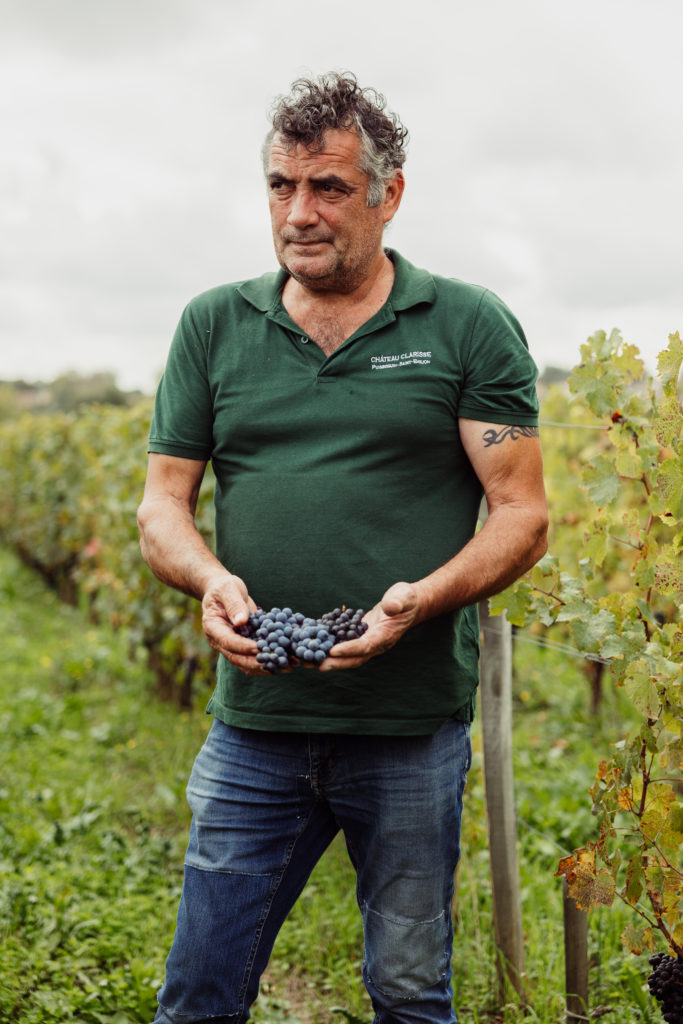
x,y
306,241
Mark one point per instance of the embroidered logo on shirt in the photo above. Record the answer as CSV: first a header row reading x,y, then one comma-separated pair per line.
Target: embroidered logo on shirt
x,y
404,359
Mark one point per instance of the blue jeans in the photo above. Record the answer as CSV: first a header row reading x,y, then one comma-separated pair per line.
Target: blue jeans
x,y
265,807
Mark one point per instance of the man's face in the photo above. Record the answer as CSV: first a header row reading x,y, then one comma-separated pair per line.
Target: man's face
x,y
325,234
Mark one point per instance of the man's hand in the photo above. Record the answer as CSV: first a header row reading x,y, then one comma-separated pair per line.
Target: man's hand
x,y
225,606
387,622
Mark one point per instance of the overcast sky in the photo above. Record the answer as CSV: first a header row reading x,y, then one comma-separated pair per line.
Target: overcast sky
x,y
545,161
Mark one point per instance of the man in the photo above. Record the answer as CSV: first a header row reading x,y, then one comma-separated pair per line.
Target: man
x,y
354,409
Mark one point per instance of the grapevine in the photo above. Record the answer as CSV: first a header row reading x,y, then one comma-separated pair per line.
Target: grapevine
x,y
620,601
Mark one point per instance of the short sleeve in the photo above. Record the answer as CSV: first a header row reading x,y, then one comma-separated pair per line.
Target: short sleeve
x,y
500,375
182,423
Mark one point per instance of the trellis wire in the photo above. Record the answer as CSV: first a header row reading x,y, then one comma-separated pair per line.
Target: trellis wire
x,y
572,426
555,645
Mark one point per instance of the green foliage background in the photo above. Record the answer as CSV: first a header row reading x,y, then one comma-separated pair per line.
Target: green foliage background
x,y
613,581
70,485
93,825
93,771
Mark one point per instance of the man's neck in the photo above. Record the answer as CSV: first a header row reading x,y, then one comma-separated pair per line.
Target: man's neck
x,y
330,317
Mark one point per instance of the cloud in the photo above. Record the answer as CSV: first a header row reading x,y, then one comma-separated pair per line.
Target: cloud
x,y
545,159
90,31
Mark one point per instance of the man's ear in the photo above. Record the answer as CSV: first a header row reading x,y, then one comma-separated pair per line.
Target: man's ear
x,y
393,193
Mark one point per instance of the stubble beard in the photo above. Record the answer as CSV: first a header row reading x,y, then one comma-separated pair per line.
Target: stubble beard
x,y
342,274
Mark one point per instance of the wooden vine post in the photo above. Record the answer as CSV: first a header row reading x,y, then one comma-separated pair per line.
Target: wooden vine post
x,y
496,717
575,958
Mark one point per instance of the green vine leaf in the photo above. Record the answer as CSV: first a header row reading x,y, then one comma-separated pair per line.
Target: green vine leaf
x,y
590,631
634,880
676,816
574,598
597,545
669,362
629,465
515,601
545,574
623,645
601,481
644,573
641,690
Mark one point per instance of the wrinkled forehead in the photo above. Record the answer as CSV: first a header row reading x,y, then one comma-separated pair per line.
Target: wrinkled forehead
x,y
337,148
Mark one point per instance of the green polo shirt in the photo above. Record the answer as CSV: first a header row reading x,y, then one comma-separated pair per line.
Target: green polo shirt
x,y
339,475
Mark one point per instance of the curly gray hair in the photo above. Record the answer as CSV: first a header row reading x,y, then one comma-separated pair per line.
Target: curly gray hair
x,y
336,101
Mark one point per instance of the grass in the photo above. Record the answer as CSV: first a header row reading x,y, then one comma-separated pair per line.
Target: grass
x,y
93,825
92,816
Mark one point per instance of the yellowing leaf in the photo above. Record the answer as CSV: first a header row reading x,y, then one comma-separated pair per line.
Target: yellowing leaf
x,y
586,885
668,483
625,798
655,875
655,821
641,690
668,422
636,938
669,578
631,938
629,361
545,575
590,890
629,465
670,751
676,817
669,361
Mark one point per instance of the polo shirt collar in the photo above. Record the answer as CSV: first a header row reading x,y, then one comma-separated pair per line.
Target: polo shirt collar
x,y
411,286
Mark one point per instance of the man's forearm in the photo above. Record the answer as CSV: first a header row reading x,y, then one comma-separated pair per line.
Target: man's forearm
x,y
509,543
174,549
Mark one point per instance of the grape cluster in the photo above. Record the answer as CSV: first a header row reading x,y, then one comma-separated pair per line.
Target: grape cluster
x,y
344,623
285,638
666,985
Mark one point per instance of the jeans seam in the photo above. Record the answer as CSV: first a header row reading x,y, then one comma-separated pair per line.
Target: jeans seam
x,y
267,906
239,1015
396,920
229,871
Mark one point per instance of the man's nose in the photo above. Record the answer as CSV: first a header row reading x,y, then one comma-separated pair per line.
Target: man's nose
x,y
302,210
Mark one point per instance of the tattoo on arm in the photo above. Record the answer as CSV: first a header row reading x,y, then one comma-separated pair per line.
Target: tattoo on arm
x,y
513,432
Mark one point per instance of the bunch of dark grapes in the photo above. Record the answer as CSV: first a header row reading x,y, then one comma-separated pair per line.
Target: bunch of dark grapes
x,y
285,638
666,985
345,623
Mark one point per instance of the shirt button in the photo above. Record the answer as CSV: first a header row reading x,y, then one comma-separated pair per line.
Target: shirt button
x,y
304,339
